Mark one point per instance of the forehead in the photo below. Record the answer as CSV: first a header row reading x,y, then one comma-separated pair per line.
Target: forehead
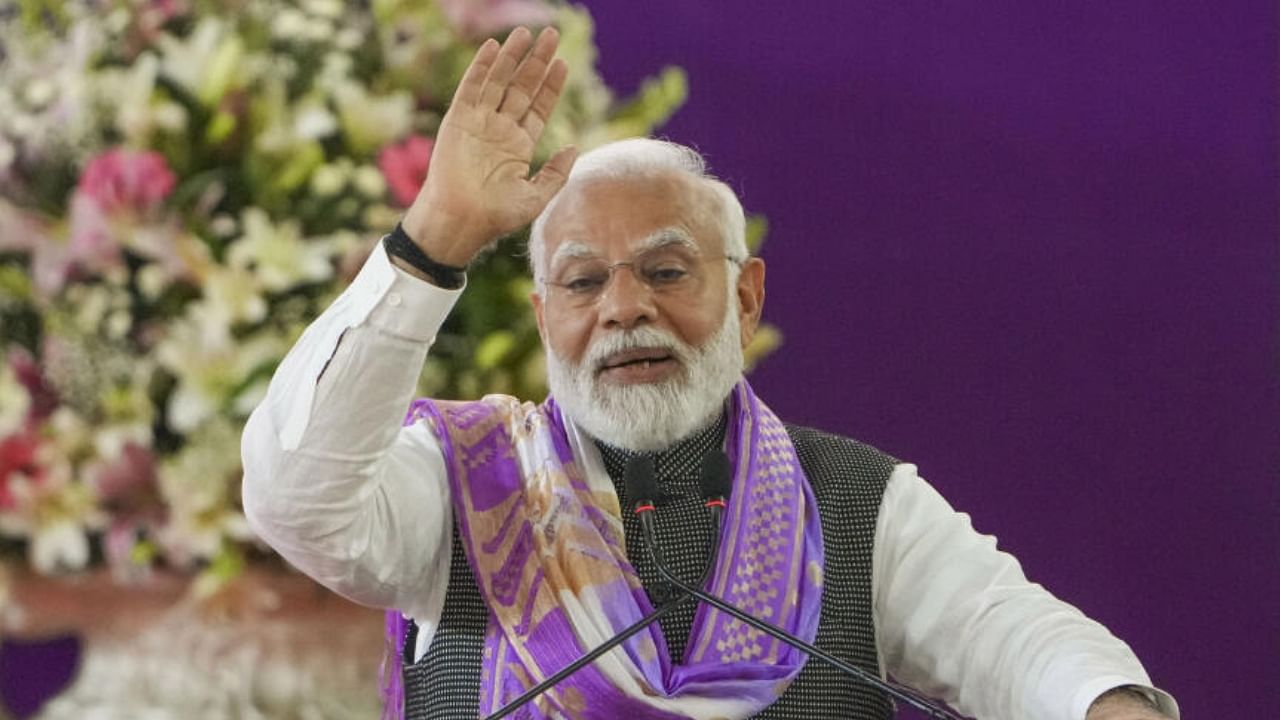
x,y
613,217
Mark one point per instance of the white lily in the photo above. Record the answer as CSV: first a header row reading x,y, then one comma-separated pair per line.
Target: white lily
x,y
196,484
59,545
55,514
139,112
372,121
52,108
207,63
277,254
234,293
209,364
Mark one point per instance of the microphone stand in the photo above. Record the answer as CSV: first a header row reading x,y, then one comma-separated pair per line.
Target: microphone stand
x,y
639,480
585,660
646,521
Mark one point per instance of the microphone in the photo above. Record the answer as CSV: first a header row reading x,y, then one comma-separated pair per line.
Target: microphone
x,y
641,486
716,482
640,482
715,478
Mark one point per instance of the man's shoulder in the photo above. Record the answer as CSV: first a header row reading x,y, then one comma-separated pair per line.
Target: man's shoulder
x,y
834,461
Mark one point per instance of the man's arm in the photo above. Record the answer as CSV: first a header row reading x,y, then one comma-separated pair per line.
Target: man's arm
x,y
332,479
958,619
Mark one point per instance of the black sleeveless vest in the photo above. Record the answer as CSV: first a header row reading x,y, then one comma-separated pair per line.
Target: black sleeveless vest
x,y
848,480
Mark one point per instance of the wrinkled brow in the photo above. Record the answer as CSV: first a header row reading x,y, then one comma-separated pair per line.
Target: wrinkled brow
x,y
571,250
665,237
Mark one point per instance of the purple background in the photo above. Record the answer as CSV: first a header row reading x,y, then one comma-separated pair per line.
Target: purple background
x,y
1033,249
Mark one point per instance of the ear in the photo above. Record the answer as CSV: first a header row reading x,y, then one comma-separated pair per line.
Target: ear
x,y
536,299
750,297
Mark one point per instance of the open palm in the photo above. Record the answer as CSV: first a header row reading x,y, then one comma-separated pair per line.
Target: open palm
x,y
478,188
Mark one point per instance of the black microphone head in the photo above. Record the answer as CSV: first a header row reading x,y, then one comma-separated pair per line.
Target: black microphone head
x,y
640,481
716,478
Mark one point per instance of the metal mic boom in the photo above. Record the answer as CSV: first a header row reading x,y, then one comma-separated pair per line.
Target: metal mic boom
x,y
716,482
641,488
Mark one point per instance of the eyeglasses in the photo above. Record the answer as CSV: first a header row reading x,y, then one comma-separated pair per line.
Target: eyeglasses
x,y
672,271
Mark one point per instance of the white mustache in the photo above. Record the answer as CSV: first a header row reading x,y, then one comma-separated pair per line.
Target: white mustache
x,y
641,337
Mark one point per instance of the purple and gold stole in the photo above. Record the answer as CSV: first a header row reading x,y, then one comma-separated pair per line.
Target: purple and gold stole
x,y
542,529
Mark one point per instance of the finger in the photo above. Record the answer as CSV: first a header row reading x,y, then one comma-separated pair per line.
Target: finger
x,y
529,75
545,99
513,50
473,79
554,173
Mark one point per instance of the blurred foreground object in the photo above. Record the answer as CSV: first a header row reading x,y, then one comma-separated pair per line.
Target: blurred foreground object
x,y
32,672
268,644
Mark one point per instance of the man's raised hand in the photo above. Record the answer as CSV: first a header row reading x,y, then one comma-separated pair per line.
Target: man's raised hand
x,y
478,187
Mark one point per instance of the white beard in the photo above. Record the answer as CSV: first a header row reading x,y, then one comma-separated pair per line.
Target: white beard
x,y
650,416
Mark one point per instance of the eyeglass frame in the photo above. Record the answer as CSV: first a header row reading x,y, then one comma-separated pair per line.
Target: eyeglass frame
x,y
610,269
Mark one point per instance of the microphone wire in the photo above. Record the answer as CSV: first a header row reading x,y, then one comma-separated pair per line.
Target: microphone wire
x,y
641,489
647,524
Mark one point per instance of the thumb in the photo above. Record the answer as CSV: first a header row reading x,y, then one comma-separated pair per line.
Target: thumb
x,y
554,173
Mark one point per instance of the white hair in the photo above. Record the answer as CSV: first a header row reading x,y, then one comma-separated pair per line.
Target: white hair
x,y
646,157
650,416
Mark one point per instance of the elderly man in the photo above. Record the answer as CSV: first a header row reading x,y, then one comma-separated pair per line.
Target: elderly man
x,y
498,527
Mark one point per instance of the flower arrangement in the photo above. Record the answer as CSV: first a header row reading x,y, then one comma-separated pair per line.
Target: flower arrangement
x,y
184,185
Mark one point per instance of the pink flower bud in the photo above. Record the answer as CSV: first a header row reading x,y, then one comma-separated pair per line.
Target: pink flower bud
x,y
482,18
118,185
17,459
404,166
127,180
44,399
125,479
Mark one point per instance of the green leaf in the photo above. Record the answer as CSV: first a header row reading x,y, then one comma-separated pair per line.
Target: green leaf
x,y
222,72
220,127
298,167
41,14
757,228
143,552
222,569
654,104
15,284
494,349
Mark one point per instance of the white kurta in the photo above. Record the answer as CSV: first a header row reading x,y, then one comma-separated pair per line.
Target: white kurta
x,y
339,488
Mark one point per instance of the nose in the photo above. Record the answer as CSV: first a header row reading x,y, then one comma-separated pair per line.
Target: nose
x,y
625,302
